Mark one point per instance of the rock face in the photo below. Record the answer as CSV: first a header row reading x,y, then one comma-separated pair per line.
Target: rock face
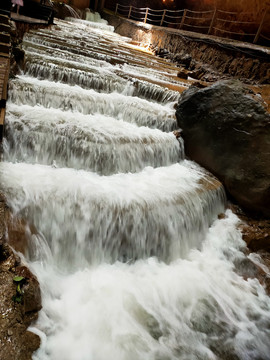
x,y
16,343
228,132
255,231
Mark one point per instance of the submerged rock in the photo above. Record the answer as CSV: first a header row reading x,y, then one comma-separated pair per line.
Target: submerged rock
x,y
228,132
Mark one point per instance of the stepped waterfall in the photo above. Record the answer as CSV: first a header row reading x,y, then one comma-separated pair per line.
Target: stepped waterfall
x,y
133,261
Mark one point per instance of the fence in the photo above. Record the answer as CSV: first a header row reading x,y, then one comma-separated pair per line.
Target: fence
x,y
243,26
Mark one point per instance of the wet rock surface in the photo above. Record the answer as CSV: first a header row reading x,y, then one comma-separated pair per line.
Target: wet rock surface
x,y
16,343
225,130
255,230
2,219
256,233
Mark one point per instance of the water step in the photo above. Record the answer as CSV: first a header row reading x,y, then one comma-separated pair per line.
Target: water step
x,y
106,218
101,80
91,45
91,142
26,90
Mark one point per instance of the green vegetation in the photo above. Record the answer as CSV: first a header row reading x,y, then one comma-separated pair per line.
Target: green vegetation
x,y
19,280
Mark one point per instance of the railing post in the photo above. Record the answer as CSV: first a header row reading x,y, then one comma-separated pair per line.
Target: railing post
x,y
146,13
183,19
260,27
163,17
116,8
212,21
129,13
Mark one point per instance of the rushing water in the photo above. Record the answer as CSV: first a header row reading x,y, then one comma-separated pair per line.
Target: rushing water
x,y
132,259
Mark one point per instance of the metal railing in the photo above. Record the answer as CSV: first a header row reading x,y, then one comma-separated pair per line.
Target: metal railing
x,y
216,22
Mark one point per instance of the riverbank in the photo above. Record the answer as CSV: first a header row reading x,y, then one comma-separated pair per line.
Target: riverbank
x,y
210,57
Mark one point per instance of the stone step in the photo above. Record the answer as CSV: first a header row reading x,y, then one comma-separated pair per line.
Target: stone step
x,y
4,19
4,48
5,12
4,28
4,38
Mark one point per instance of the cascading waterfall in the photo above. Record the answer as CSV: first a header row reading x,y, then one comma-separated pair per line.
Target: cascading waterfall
x,y
25,90
93,142
132,259
95,78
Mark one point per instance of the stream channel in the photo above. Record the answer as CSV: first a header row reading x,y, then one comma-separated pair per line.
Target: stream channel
x,y
132,259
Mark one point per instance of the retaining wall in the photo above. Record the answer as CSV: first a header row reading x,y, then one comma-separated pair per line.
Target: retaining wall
x,y
242,60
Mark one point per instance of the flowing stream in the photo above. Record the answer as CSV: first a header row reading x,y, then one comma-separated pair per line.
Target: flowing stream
x,y
132,259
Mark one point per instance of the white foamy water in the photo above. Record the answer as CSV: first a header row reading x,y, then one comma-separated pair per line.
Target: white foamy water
x,y
93,45
196,308
30,91
92,21
115,217
57,68
94,142
87,77
97,78
131,257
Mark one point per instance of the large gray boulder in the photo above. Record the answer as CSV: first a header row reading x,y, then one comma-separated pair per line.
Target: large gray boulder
x,y
228,132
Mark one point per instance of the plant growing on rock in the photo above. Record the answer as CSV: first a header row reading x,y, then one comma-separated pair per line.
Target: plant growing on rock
x,y
19,280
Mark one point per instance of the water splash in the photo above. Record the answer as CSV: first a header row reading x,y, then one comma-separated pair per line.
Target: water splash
x,y
25,90
93,21
72,11
94,142
118,217
196,308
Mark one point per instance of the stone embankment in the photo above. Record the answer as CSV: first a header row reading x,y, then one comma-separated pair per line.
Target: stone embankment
x,y
205,57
